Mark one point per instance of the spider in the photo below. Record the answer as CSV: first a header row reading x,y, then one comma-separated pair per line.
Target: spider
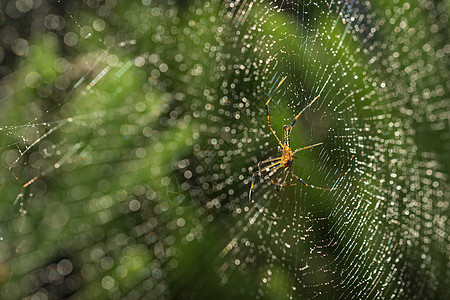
x,y
273,165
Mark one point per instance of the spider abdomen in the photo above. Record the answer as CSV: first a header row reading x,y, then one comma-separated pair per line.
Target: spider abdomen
x,y
286,158
288,163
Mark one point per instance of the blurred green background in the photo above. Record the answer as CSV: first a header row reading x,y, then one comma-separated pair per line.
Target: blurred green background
x,y
130,129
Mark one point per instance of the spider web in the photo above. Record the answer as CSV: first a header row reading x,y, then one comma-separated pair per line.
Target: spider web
x,y
130,134
354,241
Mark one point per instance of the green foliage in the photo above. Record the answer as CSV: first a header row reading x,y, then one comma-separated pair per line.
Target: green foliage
x,y
129,137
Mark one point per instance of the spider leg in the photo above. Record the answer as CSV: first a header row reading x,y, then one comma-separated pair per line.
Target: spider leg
x,y
296,117
270,170
285,177
267,169
267,111
268,160
276,185
310,185
307,147
317,97
250,196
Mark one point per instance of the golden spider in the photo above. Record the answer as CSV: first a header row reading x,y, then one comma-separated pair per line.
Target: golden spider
x,y
287,155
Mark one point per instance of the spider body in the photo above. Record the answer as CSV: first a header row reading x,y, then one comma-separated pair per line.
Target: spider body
x,y
285,161
286,158
286,152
